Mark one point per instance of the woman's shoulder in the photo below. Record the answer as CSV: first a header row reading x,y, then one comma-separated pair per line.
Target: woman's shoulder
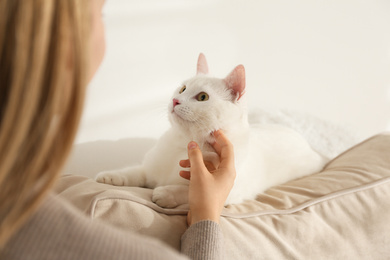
x,y
57,230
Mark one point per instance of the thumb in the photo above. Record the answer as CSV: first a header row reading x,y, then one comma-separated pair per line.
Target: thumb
x,y
195,156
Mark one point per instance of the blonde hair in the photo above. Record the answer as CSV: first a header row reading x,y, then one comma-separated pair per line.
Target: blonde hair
x,y
43,66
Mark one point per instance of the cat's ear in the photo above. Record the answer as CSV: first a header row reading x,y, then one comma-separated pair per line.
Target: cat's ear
x,y
236,81
202,67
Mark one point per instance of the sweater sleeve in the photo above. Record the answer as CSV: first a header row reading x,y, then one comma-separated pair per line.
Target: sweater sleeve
x,y
203,240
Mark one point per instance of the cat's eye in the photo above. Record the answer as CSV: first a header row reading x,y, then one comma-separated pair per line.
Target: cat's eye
x,y
182,89
202,96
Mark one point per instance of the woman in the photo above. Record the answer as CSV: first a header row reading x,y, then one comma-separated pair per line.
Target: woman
x,y
49,50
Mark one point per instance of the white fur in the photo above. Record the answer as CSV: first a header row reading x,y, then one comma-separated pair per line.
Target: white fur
x,y
266,155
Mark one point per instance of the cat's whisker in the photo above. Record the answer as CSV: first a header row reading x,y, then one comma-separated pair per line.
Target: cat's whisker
x,y
161,110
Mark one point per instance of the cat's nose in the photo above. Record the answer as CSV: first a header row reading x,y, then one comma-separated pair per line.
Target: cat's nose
x,y
175,102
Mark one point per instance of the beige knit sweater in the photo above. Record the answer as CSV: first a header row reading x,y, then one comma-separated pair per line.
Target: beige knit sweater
x,y
59,231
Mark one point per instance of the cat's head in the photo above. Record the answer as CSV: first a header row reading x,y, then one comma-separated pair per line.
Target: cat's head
x,y
203,104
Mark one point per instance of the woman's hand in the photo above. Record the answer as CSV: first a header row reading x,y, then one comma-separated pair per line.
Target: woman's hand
x,y
209,186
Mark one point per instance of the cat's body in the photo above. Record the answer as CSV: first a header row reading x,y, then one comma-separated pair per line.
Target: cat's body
x,y
265,155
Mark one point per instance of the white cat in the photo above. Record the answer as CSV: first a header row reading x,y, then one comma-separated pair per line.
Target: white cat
x,y
265,155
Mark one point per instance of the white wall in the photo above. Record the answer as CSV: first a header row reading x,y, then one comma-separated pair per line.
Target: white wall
x,y
330,58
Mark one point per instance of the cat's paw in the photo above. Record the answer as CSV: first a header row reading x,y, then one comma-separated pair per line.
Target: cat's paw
x,y
111,178
164,197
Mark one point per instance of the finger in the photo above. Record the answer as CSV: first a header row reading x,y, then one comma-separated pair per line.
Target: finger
x,y
217,148
220,138
210,166
185,174
224,148
185,163
196,158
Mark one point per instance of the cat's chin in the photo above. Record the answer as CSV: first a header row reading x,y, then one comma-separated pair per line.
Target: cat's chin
x,y
177,118
188,128
178,121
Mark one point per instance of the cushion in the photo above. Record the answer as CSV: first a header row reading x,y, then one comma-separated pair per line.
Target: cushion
x,y
341,212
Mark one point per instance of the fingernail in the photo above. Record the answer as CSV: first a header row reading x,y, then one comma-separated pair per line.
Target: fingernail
x,y
192,145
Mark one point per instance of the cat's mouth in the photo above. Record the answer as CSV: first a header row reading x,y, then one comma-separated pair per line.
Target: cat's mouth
x,y
181,115
177,115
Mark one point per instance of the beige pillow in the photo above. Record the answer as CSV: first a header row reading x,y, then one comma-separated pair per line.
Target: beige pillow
x,y
342,212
